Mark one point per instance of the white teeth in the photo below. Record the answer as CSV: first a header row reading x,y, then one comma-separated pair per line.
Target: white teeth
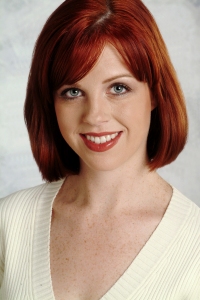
x,y
102,139
108,138
97,140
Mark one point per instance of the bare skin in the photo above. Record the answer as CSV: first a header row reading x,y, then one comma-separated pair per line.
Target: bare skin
x,y
94,240
104,216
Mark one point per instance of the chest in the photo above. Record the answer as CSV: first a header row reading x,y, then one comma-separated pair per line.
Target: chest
x,y
87,260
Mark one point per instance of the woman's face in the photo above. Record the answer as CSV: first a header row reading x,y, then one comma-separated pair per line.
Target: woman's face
x,y
105,116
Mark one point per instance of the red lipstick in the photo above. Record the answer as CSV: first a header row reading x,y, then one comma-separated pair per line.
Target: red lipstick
x,y
100,147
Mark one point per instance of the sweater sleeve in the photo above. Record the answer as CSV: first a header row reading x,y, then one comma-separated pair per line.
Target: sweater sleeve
x,y
13,220
17,223
2,254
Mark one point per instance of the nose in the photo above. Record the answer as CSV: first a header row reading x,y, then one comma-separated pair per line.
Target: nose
x,y
97,110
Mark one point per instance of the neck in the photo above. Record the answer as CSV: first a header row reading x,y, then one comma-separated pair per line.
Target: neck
x,y
104,190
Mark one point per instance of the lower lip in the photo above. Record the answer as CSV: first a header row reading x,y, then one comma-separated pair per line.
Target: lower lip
x,y
101,147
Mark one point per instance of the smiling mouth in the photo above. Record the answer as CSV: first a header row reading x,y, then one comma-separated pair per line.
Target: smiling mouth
x,y
100,142
101,139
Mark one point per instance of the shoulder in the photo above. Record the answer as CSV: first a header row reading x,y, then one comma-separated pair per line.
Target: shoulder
x,y
26,200
23,196
18,209
184,205
186,214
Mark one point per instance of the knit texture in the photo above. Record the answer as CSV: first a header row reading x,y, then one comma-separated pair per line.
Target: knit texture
x,y
167,267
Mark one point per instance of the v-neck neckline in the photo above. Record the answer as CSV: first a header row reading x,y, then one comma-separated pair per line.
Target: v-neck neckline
x,y
137,272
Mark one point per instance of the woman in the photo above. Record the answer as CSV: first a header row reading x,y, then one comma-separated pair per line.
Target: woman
x,y
104,110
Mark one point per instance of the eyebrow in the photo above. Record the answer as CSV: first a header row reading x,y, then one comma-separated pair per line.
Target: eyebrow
x,y
118,76
76,84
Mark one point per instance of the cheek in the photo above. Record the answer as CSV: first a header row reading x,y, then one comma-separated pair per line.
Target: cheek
x,y
136,115
64,120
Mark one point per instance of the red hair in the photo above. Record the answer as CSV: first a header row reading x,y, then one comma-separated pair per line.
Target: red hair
x,y
69,46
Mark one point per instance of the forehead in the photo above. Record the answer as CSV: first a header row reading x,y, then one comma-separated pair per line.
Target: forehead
x,y
69,67
109,64
110,54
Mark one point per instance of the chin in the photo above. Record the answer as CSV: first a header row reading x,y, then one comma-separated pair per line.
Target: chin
x,y
103,164
100,165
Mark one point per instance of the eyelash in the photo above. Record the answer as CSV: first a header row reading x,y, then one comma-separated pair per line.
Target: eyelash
x,y
124,86
63,94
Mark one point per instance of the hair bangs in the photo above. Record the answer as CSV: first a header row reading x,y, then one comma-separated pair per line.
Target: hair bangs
x,y
69,60
77,50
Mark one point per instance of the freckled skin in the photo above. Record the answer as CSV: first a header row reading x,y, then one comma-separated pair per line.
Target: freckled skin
x,y
87,259
104,216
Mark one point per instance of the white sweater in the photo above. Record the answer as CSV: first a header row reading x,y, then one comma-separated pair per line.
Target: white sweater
x,y
167,268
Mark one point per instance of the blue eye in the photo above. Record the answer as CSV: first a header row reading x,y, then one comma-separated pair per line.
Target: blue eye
x,y
74,92
71,93
119,89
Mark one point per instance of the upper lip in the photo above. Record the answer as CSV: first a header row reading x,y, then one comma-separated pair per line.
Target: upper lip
x,y
100,133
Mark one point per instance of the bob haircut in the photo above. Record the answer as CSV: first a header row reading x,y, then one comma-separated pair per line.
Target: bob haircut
x,y
68,47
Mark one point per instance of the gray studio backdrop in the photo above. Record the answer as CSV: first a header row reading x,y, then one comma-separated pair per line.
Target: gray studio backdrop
x,y
20,24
